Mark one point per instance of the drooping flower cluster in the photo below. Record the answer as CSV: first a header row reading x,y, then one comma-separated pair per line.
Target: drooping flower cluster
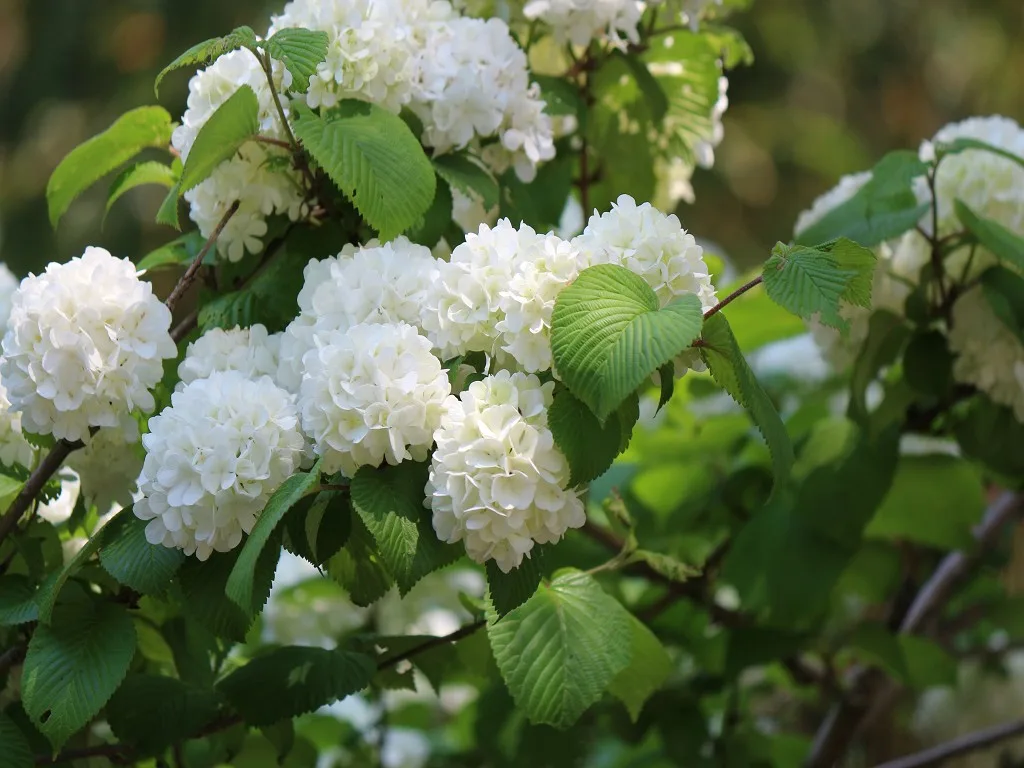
x,y
259,176
497,479
84,345
214,458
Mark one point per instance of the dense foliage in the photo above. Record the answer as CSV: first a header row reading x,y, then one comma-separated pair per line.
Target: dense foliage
x,y
537,473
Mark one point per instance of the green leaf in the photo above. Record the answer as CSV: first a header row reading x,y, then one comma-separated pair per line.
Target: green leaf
x,y
180,252
561,97
389,501
934,500
133,561
541,202
359,567
1004,291
814,281
168,214
560,650
301,51
608,335
152,712
464,173
204,586
15,751
882,209
17,600
507,591
322,528
657,101
965,143
234,123
240,583
208,51
291,680
646,673
1002,242
730,369
87,163
150,172
47,596
433,225
374,159
887,333
992,435
74,666
589,447
666,565
914,661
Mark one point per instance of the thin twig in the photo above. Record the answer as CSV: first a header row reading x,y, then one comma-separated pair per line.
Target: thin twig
x,y
118,752
433,642
39,477
272,141
844,721
972,742
733,296
184,328
193,269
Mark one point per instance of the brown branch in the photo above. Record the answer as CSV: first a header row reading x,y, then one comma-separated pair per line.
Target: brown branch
x,y
184,328
193,269
273,142
972,742
50,464
844,721
733,296
433,642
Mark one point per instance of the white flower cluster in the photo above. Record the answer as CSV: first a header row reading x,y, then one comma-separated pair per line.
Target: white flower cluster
x,y
497,480
15,450
465,78
85,343
8,285
580,21
250,351
108,468
214,458
259,176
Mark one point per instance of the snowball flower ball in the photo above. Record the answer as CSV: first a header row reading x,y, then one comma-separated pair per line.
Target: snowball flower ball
x,y
580,21
84,345
652,245
372,393
250,351
989,355
108,468
213,460
15,450
497,480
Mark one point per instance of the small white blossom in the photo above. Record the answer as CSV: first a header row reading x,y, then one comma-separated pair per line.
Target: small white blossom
x,y
108,468
988,354
84,345
497,479
371,393
250,351
213,460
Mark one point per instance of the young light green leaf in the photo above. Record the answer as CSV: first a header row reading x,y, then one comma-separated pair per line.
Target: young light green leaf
x,y
208,51
1004,244
301,51
654,94
389,501
234,123
730,369
608,335
74,666
240,583
464,173
507,591
168,212
814,281
374,159
180,252
15,751
560,650
150,172
151,712
127,556
87,163
966,143
291,680
589,446
646,673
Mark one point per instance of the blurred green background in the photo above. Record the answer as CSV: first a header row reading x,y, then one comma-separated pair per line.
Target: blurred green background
x,y
835,84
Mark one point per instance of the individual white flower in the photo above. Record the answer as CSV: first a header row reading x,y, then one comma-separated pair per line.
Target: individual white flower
x,y
108,468
652,245
8,285
84,345
464,305
259,177
370,284
250,351
580,21
545,265
213,460
988,354
371,393
15,450
497,480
